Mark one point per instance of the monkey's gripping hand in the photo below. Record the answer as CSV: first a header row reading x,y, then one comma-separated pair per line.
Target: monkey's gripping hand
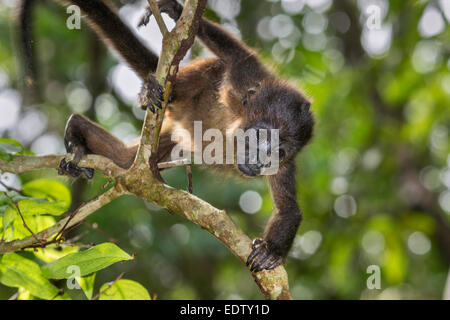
x,y
151,95
171,7
263,257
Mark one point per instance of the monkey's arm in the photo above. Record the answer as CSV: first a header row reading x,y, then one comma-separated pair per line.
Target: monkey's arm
x,y
116,34
283,225
245,70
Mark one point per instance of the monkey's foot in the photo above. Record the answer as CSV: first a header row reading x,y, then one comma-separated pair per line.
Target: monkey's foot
x,y
151,95
262,258
71,169
171,7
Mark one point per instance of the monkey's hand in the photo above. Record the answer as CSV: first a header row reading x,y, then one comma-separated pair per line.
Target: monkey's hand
x,y
171,7
263,257
151,95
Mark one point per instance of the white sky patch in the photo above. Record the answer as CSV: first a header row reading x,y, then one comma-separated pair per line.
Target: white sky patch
x,y
431,23
281,25
319,5
345,206
292,7
11,180
445,177
30,126
426,56
4,79
371,158
373,242
377,42
418,243
78,97
445,6
314,22
10,101
250,202
126,83
306,245
226,9
49,143
339,185
444,201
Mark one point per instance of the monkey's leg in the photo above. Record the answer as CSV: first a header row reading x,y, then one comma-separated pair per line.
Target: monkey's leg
x,y
283,225
85,137
116,34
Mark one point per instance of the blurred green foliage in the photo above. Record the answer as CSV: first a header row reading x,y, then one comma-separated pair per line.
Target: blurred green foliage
x,y
373,184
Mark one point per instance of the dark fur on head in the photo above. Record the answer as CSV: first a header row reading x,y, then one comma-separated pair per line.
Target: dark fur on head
x,y
282,107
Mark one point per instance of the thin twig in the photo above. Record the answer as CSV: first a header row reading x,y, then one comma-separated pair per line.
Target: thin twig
x,y
159,20
72,215
189,175
8,188
23,220
173,164
109,286
95,227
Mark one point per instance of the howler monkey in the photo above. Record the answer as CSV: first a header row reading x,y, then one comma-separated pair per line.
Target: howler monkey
x,y
228,92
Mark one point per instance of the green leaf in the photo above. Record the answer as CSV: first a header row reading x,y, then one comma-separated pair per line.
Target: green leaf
x,y
17,271
10,148
89,261
48,189
87,285
51,253
42,206
42,196
36,223
124,289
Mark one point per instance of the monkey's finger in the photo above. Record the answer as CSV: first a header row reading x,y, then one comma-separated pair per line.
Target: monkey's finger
x,y
151,108
275,264
252,255
161,93
259,260
266,263
156,102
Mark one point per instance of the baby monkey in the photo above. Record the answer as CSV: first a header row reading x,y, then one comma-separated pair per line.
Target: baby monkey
x,y
231,91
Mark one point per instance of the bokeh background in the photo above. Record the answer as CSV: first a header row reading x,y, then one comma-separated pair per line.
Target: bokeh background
x,y
374,184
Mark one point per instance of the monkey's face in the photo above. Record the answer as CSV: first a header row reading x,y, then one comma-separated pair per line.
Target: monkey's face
x,y
259,151
283,123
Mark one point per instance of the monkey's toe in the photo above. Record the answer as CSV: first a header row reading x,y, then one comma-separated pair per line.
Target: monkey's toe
x,y
262,258
71,169
151,95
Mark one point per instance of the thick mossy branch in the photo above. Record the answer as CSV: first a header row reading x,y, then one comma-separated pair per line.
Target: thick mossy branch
x,y
141,181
